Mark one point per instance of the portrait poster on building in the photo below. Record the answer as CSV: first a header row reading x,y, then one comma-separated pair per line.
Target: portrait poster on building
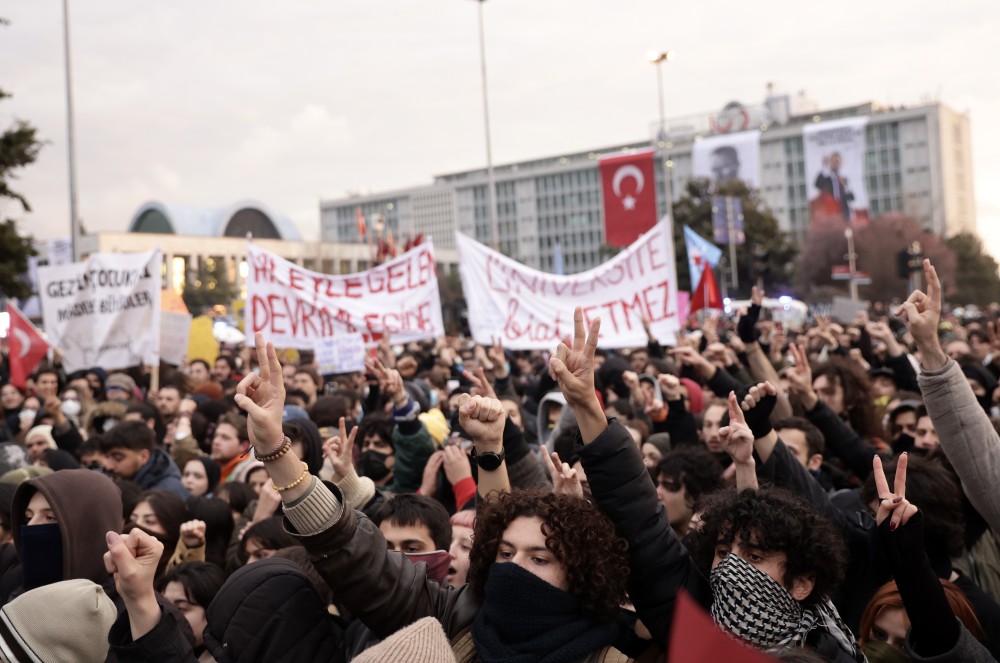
x,y
532,310
727,157
835,171
104,311
295,307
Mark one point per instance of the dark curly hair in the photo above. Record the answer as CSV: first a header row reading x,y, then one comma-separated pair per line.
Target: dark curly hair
x,y
693,468
858,402
775,520
582,538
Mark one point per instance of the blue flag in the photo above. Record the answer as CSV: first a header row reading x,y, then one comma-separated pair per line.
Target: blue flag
x,y
701,252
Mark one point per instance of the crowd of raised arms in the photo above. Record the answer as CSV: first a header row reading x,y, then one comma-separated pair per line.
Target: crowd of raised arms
x,y
829,493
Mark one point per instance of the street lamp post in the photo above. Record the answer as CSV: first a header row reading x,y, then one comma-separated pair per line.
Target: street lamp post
x,y
491,179
852,263
658,58
74,222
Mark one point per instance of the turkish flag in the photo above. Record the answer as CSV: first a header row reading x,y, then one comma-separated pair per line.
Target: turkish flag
x,y
629,185
27,347
707,294
694,638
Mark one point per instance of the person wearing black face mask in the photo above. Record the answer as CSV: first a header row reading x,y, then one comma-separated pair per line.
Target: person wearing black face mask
x,y
378,455
52,521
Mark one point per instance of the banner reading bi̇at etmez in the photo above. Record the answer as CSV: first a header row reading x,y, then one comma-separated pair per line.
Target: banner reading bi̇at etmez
x,y
295,307
529,309
104,311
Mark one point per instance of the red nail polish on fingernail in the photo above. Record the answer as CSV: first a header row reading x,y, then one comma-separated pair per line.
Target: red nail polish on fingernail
x,y
892,527
897,500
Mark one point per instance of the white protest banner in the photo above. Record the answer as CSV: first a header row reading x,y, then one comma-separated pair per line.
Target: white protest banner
x,y
834,153
175,334
294,307
104,311
343,353
529,309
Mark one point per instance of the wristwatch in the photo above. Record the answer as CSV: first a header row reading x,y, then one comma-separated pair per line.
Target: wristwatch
x,y
488,461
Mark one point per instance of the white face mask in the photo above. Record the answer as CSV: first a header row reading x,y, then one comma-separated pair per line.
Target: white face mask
x,y
71,408
108,425
28,415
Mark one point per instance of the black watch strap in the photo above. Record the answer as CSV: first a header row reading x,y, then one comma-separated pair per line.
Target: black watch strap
x,y
488,461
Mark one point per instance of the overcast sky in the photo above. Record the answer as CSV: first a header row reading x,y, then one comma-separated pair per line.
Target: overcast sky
x,y
209,103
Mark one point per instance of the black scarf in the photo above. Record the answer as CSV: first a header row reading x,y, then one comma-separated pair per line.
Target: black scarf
x,y
41,555
526,620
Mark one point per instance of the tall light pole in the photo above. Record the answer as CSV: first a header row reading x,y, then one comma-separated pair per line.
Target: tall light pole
x,y
491,180
852,263
658,58
74,221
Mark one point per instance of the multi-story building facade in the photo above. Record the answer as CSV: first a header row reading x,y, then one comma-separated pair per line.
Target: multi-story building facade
x,y
918,161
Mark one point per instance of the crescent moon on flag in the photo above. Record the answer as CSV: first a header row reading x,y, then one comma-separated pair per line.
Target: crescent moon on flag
x,y
24,340
627,171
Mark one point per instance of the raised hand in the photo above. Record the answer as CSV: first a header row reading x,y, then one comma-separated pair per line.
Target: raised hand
x,y
262,397
746,328
670,385
429,483
456,464
800,380
501,368
564,478
758,405
894,504
573,368
691,357
480,382
921,313
339,450
483,419
133,559
193,533
389,381
737,439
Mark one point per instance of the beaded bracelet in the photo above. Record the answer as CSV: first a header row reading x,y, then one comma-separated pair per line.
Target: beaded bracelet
x,y
302,477
286,444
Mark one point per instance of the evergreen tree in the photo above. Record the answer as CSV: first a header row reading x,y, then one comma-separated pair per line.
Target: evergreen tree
x,y
976,278
19,146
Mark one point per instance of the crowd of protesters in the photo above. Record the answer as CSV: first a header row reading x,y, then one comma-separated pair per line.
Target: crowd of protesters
x,y
827,493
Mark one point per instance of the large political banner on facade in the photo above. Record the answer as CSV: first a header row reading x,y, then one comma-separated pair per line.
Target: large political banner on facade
x,y
727,157
295,307
835,171
104,311
528,309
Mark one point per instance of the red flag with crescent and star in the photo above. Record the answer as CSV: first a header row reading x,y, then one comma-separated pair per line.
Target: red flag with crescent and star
x,y
27,347
628,182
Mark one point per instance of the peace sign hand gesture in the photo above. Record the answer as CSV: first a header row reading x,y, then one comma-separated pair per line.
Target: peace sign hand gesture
x,y
573,368
892,504
339,450
565,480
262,397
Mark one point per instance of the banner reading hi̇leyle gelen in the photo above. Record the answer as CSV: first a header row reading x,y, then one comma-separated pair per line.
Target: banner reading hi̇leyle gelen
x,y
529,309
104,311
295,307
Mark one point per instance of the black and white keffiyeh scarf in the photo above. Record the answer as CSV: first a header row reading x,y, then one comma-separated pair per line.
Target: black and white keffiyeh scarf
x,y
750,604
